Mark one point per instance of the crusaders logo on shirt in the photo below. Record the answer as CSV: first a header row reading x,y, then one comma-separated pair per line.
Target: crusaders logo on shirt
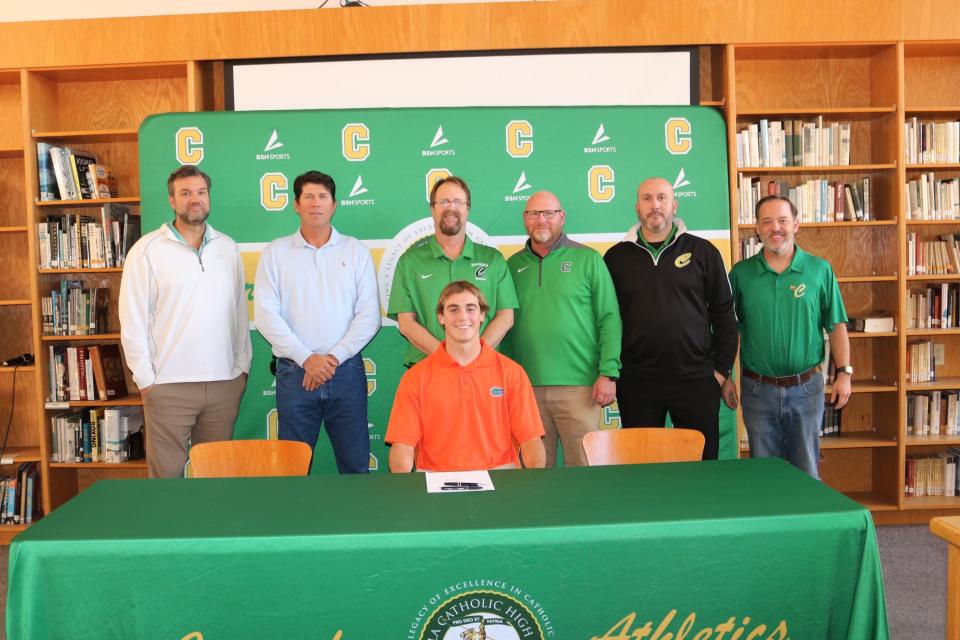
x,y
480,272
798,290
682,260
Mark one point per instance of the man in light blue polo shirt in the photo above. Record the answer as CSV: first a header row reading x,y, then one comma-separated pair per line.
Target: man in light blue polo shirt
x,y
316,303
785,299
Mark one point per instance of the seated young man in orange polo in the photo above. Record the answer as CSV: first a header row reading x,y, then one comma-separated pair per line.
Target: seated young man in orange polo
x,y
463,407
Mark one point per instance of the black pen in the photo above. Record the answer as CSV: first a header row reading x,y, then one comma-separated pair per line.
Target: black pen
x,y
465,488
462,485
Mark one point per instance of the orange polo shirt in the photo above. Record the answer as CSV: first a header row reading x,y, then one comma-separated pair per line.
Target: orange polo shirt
x,y
464,418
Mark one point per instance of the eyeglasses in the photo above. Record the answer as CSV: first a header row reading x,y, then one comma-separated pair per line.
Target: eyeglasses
x,y
546,214
457,204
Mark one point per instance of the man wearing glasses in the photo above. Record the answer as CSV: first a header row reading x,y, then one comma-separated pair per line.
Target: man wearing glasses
x,y
679,328
566,333
448,256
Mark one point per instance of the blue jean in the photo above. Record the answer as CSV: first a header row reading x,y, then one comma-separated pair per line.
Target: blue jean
x,y
784,422
340,404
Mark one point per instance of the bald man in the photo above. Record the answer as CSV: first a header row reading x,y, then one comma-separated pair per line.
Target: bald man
x,y
679,327
566,333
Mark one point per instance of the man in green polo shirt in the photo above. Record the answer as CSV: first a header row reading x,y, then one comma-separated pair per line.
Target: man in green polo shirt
x,y
785,299
447,256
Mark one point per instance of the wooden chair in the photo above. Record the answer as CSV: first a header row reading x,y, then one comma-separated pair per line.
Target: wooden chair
x,y
250,458
638,446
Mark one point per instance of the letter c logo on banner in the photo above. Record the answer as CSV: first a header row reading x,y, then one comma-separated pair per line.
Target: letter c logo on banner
x,y
600,183
273,191
189,145
679,139
433,176
519,138
356,142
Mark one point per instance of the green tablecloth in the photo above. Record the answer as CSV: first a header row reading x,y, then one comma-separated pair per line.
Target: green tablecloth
x,y
730,550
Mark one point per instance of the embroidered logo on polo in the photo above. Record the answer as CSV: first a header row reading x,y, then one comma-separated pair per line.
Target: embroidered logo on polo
x,y
682,260
798,290
480,270
481,610
496,392
566,267
522,269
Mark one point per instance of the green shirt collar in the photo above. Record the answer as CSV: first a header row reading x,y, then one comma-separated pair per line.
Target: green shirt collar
x,y
656,250
797,263
437,251
176,234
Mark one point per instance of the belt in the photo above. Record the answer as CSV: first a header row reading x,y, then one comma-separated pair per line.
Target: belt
x,y
781,381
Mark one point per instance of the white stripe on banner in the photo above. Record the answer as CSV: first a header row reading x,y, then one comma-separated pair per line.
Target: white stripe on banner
x,y
605,238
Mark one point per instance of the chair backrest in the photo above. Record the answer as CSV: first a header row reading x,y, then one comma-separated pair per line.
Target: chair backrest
x,y
638,446
250,458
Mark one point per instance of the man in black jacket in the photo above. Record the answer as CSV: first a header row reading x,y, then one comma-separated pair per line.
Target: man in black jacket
x,y
679,327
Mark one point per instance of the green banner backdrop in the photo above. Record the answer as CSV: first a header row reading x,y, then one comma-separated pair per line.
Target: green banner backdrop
x,y
384,161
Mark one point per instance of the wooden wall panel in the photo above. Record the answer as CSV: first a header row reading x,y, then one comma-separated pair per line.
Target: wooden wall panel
x,y
461,27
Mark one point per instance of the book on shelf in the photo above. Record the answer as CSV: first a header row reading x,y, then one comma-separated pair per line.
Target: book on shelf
x,y
815,200
85,372
72,310
46,178
788,143
75,241
932,474
933,257
922,361
20,501
876,323
73,172
108,367
103,182
830,424
934,307
95,435
929,142
933,413
927,197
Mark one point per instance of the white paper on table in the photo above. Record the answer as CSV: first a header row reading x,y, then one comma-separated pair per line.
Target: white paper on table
x,y
458,481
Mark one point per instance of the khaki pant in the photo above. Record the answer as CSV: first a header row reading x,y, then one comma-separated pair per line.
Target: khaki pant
x,y
568,413
181,413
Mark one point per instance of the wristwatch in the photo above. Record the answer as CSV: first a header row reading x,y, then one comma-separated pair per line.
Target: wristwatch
x,y
845,369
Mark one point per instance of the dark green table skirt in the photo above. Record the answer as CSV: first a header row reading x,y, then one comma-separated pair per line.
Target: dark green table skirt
x,y
731,550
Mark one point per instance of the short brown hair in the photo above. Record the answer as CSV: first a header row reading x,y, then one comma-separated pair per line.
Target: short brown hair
x,y
461,286
775,198
460,182
186,171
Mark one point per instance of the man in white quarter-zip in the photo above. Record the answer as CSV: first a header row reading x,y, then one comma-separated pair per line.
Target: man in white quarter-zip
x,y
679,327
184,327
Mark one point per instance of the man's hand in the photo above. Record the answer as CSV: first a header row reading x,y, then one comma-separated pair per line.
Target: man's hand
x,y
841,391
728,392
318,368
604,391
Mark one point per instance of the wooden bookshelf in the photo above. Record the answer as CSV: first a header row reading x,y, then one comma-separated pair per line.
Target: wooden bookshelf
x,y
780,82
872,72
52,105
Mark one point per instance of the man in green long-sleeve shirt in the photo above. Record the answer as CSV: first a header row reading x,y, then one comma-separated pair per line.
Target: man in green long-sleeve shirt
x,y
566,333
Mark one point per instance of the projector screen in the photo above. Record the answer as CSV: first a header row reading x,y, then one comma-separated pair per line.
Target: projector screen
x,y
635,76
